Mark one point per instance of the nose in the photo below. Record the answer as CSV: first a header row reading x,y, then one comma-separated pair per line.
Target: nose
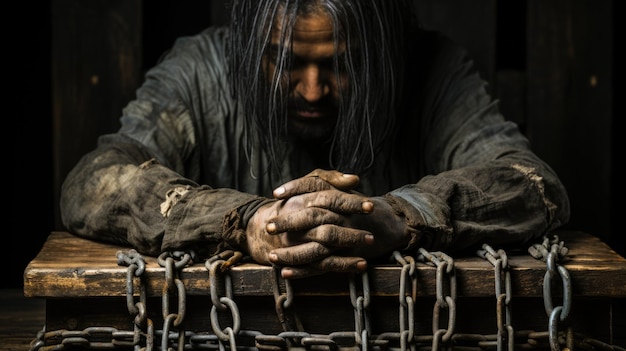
x,y
310,83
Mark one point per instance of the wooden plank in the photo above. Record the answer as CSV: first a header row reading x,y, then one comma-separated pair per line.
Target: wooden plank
x,y
68,266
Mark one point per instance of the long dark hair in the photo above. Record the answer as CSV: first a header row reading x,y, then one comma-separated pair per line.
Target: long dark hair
x,y
374,30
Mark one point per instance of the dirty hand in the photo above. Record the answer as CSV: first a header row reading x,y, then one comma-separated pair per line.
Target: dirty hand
x,y
386,224
316,226
304,230
345,237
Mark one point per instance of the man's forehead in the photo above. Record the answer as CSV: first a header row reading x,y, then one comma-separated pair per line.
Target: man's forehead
x,y
311,32
315,23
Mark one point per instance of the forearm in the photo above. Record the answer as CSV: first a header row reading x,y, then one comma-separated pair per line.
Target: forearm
x,y
507,201
126,198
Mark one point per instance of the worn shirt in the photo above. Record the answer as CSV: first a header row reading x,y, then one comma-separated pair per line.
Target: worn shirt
x,y
176,173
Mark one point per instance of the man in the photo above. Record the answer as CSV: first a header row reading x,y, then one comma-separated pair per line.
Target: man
x,y
315,135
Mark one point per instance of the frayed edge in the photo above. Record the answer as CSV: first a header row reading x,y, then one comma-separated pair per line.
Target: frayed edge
x,y
536,179
171,198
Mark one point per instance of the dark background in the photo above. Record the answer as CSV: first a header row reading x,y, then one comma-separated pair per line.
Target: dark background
x,y
577,130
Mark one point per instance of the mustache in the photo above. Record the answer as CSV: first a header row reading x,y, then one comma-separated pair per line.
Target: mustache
x,y
327,103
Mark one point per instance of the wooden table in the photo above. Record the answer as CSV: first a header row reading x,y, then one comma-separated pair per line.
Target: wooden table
x,y
83,285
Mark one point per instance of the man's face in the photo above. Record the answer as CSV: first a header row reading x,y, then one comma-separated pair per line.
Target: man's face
x,y
313,90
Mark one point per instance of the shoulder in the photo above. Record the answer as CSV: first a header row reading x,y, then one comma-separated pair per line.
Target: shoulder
x,y
210,39
208,45
194,64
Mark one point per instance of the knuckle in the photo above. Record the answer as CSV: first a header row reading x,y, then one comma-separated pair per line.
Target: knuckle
x,y
336,263
330,234
303,254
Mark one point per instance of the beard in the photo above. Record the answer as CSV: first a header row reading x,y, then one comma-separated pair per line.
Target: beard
x,y
310,131
308,122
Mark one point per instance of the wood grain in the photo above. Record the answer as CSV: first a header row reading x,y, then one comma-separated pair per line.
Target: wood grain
x,y
68,266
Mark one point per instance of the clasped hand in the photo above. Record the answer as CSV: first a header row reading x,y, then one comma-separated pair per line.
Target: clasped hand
x,y
318,224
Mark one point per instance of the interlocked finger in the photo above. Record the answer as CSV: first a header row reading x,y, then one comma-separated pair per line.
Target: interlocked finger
x,y
338,236
317,180
305,219
339,180
337,264
299,254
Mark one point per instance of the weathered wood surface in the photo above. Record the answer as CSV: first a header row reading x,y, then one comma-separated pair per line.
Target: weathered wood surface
x,y
68,266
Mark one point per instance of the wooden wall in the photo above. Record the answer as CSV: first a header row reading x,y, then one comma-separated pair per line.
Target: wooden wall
x,y
550,63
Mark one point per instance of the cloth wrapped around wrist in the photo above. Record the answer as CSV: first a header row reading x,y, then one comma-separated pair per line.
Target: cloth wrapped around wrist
x,y
416,226
235,223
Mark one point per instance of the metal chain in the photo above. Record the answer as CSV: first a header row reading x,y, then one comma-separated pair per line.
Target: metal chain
x,y
360,304
285,309
174,262
219,271
407,295
142,324
500,262
446,300
551,251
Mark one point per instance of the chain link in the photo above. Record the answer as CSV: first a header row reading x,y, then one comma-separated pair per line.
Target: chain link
x,y
446,295
502,271
360,304
407,295
174,262
219,272
551,250
285,309
143,326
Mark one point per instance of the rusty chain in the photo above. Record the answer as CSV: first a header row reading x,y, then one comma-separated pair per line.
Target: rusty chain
x,y
143,326
500,261
551,250
174,262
